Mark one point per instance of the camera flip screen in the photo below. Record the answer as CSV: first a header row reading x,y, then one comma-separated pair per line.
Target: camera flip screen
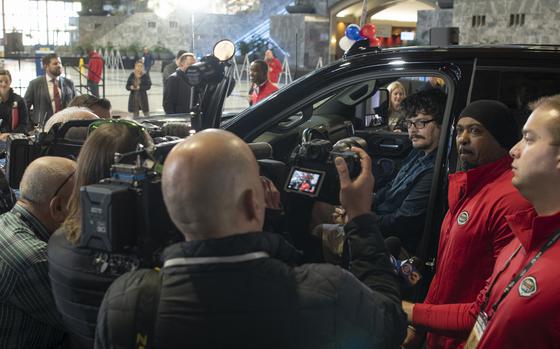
x,y
305,181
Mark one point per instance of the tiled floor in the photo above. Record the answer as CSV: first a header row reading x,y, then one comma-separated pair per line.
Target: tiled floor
x,y
24,70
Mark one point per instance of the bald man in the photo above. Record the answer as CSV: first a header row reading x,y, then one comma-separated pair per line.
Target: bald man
x,y
231,285
70,113
28,315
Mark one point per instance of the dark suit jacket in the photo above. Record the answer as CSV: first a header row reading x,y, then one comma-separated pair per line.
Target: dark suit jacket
x,y
37,96
177,95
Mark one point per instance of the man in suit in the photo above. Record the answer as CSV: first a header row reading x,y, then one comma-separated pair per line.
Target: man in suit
x,y
50,93
178,96
171,67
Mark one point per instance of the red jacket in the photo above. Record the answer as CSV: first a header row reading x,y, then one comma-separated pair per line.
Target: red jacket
x,y
529,316
274,69
95,67
473,233
262,91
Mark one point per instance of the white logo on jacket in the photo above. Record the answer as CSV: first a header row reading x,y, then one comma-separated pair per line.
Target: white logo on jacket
x,y
463,218
527,286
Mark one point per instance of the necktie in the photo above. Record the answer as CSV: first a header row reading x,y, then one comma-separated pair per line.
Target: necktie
x,y
56,97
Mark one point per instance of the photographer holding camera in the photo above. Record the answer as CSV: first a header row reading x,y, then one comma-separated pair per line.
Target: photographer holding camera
x,y
80,276
231,285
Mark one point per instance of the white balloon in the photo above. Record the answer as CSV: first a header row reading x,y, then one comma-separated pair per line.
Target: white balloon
x,y
345,43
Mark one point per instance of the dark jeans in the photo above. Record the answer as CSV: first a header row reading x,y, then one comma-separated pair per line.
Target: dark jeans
x,y
93,88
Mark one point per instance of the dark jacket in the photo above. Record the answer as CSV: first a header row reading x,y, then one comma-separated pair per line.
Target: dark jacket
x,y
177,95
149,60
6,114
167,71
260,299
400,206
38,97
145,84
79,279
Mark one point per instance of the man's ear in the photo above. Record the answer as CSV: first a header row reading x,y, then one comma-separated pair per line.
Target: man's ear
x,y
251,205
247,204
57,209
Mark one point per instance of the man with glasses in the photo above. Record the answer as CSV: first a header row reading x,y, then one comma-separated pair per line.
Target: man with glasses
x,y
400,206
519,306
475,229
28,315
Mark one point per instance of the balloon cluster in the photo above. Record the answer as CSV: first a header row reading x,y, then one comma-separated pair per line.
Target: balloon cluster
x,y
354,33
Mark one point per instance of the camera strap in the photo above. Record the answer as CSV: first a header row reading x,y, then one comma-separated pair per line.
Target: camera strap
x,y
147,304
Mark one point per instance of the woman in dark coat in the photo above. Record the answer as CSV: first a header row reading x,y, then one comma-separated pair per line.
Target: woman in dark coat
x,y
11,104
138,83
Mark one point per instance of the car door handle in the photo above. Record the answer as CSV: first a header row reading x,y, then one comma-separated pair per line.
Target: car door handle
x,y
390,146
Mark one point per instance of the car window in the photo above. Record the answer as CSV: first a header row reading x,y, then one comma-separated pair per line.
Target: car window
x,y
516,88
366,109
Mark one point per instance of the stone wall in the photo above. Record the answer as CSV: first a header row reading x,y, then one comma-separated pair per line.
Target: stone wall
x,y
540,24
428,19
93,28
305,34
174,32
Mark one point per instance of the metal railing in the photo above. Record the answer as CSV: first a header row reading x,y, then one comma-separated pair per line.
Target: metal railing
x,y
19,85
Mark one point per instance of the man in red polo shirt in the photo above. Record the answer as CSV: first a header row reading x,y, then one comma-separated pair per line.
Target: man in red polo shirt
x,y
262,87
519,306
474,230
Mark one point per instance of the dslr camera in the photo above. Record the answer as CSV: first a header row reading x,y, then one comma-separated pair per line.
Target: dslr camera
x,y
313,172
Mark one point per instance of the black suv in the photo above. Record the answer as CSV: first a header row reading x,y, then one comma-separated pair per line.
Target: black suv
x,y
336,101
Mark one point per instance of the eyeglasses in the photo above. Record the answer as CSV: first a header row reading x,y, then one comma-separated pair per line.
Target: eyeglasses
x,y
55,192
62,184
419,124
138,129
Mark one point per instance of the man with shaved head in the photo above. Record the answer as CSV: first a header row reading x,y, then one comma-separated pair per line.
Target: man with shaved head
x,y
70,113
28,315
231,285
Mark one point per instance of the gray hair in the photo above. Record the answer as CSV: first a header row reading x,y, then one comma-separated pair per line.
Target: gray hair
x,y
42,178
70,113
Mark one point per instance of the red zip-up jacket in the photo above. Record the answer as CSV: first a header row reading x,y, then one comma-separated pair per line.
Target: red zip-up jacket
x,y
274,69
95,67
473,233
529,316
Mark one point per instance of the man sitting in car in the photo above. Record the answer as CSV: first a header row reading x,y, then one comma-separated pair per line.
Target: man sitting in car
x,y
400,206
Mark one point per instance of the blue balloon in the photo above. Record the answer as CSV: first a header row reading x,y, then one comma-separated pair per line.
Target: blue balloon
x,y
353,32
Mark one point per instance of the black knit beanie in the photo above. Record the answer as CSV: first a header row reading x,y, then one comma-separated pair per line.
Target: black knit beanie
x,y
496,118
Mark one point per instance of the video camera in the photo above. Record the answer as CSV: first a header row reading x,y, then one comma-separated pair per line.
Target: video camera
x,y
125,214
312,167
64,140
21,149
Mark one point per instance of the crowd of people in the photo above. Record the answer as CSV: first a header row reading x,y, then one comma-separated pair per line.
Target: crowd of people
x,y
229,284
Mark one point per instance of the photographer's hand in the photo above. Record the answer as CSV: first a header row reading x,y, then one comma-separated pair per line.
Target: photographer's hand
x,y
355,195
271,194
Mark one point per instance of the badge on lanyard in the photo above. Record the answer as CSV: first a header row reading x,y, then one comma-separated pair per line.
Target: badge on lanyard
x,y
477,331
